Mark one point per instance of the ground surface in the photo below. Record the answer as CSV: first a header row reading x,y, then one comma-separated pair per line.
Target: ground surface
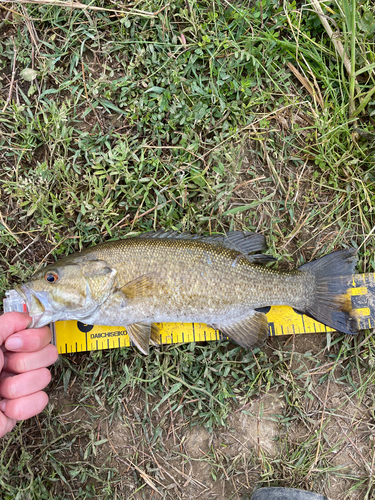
x,y
203,117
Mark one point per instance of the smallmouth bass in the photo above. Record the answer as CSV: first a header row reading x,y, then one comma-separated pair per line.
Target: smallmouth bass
x,y
162,277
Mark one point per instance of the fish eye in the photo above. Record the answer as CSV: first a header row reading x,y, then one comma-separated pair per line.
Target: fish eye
x,y
51,277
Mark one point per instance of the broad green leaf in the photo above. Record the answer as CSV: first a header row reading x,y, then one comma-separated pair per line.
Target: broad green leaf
x,y
29,74
157,90
369,67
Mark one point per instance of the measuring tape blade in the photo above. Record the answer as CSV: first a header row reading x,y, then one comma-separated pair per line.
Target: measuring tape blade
x,y
73,336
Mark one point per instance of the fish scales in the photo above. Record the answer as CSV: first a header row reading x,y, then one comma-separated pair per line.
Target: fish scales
x,y
165,277
190,271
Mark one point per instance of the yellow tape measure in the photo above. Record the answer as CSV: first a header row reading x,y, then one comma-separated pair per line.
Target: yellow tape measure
x,y
73,336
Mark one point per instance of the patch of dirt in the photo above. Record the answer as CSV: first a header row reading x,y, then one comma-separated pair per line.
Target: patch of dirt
x,y
255,429
197,441
348,435
337,425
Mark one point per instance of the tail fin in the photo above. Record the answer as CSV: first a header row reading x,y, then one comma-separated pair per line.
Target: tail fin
x,y
331,303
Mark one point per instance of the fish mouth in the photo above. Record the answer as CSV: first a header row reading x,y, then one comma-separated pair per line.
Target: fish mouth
x,y
38,306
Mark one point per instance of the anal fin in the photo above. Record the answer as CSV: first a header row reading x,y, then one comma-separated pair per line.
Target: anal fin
x,y
251,331
141,333
155,335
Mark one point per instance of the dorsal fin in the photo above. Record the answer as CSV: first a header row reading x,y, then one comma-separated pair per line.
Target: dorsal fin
x,y
243,242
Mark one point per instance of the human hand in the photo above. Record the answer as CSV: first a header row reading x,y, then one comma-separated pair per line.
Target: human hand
x,y
24,356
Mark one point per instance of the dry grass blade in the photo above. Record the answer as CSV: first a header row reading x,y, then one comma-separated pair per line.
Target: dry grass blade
x,y
349,64
26,248
246,183
306,84
31,28
364,461
78,5
143,475
54,248
2,221
272,167
12,78
337,44
319,432
189,478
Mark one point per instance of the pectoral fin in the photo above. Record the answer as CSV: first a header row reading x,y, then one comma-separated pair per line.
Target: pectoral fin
x,y
143,286
251,331
141,333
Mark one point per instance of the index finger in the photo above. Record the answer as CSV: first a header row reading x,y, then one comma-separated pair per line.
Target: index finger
x,y
13,322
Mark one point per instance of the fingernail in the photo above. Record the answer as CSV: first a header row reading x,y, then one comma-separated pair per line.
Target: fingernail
x,y
3,404
13,343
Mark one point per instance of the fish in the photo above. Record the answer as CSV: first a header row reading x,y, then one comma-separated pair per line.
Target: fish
x,y
166,276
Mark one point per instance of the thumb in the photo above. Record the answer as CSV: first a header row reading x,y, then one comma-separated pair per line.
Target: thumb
x,y
13,322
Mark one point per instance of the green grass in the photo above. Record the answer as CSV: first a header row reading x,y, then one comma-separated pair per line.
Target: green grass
x,y
191,120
